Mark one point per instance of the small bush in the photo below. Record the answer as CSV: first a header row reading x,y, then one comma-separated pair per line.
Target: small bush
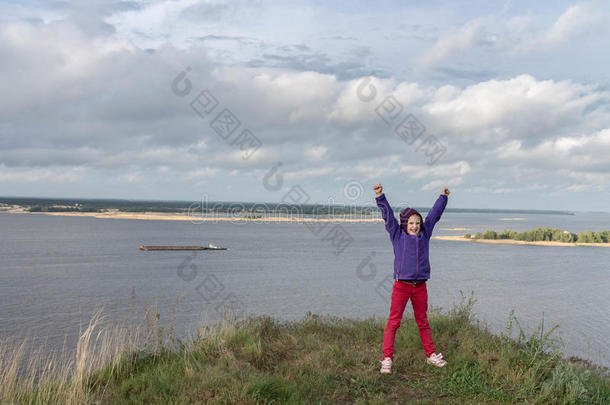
x,y
490,235
567,385
272,390
506,234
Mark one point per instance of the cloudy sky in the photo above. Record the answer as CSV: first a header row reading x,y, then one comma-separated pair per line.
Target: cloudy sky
x,y
507,103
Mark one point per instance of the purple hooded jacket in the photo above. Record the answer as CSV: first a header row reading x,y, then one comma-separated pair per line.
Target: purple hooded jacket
x,y
411,260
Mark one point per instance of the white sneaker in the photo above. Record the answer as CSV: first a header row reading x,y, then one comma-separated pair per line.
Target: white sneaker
x,y
436,360
386,366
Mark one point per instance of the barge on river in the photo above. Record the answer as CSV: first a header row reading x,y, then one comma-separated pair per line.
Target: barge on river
x,y
209,247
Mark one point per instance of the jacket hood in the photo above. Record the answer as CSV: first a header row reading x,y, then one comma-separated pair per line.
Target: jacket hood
x,y
406,214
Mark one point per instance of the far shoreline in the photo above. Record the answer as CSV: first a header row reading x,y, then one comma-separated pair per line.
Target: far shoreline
x,y
155,216
517,242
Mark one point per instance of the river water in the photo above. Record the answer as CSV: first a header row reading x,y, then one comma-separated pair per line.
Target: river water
x,y
56,271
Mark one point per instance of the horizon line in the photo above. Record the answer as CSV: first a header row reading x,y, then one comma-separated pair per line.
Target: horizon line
x,y
561,211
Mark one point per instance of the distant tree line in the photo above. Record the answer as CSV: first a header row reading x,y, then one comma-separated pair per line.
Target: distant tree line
x,y
252,210
40,208
152,209
100,205
546,234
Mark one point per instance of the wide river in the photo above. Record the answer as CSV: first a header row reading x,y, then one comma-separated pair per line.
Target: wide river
x,y
56,271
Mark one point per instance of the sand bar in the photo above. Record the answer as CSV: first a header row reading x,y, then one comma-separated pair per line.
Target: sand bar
x,y
157,216
516,242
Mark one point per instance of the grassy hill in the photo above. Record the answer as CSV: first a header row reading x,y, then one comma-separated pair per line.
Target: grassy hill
x,y
319,360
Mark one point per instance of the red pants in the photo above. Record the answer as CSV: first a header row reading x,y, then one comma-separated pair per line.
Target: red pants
x,y
401,292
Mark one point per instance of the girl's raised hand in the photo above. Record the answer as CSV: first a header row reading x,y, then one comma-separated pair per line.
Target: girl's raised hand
x,y
446,191
378,189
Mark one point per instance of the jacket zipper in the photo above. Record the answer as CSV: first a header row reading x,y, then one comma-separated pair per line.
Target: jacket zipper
x,y
416,256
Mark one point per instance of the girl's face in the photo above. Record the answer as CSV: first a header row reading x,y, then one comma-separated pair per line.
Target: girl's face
x,y
413,225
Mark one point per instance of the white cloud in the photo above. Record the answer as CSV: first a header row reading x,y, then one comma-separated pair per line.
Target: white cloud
x,y
584,152
443,175
577,19
373,170
151,17
527,33
32,175
520,24
454,41
518,108
316,153
51,63
358,99
300,174
441,170
202,173
299,96
588,181
131,178
440,184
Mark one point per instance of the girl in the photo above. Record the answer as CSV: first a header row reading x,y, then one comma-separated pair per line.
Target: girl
x,y
411,271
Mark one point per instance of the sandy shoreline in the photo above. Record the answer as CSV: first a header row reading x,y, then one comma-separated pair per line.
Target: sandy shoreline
x,y
517,242
156,216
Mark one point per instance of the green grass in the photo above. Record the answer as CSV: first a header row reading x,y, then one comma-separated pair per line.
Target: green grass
x,y
327,360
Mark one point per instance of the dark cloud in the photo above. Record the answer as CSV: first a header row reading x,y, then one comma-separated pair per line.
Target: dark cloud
x,y
241,40
451,74
316,62
87,15
223,13
209,12
341,38
126,6
301,47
